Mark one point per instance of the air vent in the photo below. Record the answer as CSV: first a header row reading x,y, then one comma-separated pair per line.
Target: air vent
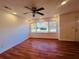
x,y
7,8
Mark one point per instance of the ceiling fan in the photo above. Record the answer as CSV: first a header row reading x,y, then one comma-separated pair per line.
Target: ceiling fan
x,y
34,10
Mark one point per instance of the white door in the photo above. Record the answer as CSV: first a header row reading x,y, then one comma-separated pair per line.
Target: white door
x,y
77,29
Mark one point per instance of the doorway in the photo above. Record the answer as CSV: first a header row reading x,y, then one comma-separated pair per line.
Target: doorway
x,y
77,28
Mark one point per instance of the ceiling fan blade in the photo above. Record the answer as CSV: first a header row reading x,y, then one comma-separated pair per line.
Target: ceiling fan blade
x,y
40,9
27,12
40,13
28,8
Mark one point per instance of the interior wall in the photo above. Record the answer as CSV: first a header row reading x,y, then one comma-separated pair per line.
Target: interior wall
x,y
13,30
44,35
67,26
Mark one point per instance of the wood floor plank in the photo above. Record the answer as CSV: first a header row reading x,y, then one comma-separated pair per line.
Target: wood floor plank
x,y
43,49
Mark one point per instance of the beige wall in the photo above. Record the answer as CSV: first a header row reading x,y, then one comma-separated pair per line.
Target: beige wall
x,y
13,30
44,35
67,26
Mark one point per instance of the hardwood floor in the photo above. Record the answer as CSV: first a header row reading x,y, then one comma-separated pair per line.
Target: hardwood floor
x,y
43,49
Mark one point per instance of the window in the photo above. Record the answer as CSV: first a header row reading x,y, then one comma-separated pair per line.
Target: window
x,y
44,26
33,27
53,26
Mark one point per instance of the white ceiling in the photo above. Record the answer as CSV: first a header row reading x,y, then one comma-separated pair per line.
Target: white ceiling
x,y
51,6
